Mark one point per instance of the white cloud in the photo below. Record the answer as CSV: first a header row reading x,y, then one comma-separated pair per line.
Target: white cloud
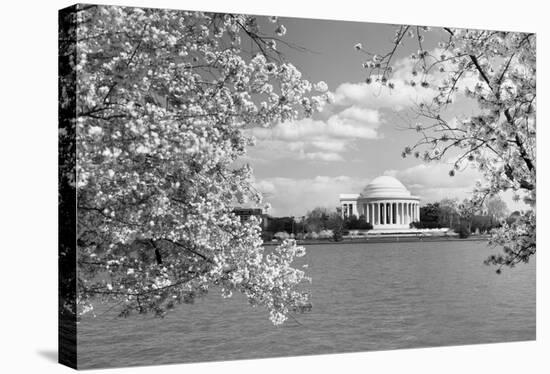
x,y
331,145
352,123
432,182
323,156
377,96
403,71
325,150
436,174
289,196
359,116
403,95
323,140
357,113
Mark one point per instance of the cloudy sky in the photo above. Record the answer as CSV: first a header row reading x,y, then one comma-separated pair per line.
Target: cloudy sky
x,y
307,163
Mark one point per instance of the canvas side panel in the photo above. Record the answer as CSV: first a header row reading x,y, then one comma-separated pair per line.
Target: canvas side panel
x,y
66,187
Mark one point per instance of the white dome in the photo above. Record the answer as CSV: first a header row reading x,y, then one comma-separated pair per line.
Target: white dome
x,y
385,186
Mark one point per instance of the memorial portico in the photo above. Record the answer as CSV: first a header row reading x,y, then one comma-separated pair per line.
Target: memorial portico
x,y
385,203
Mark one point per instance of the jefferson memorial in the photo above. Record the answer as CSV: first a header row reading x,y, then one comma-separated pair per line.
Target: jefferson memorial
x,y
385,203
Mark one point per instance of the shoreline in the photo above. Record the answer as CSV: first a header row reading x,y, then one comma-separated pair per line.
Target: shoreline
x,y
388,239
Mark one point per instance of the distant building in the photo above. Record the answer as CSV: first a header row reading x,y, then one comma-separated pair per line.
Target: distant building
x,y
385,203
245,213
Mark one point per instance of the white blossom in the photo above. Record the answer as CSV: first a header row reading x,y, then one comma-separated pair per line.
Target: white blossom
x,y
156,175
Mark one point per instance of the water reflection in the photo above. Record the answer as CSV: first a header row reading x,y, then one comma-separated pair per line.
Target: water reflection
x,y
364,296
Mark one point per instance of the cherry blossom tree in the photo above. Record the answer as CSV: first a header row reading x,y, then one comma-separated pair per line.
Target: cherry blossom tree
x,y
497,71
163,97
496,208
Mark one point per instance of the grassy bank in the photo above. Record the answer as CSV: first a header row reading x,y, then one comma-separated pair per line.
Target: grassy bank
x,y
385,239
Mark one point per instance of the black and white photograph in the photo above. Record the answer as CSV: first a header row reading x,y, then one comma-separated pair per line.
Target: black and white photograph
x,y
274,187
248,186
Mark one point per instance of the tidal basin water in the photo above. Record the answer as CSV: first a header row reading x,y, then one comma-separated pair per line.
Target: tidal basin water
x,y
365,297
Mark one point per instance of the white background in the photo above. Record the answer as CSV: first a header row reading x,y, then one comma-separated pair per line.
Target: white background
x,y
28,187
